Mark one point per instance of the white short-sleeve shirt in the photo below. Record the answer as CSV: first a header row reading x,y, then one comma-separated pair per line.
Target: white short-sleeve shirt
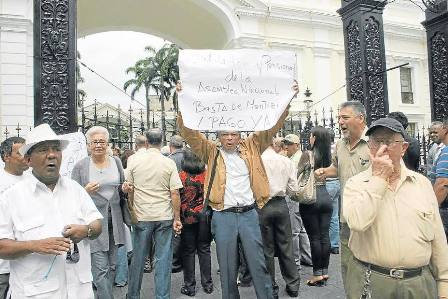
x,y
7,180
31,211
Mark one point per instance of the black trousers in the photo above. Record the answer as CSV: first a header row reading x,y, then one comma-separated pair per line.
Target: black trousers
x,y
316,219
196,237
275,226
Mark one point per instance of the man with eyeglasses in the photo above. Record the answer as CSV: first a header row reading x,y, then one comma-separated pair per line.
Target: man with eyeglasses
x,y
350,157
397,239
44,220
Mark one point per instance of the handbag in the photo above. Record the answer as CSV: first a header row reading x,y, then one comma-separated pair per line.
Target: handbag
x,y
126,201
306,193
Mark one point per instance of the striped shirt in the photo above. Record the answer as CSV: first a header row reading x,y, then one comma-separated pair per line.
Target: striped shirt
x,y
442,164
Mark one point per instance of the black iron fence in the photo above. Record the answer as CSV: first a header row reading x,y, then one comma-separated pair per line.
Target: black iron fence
x,y
123,127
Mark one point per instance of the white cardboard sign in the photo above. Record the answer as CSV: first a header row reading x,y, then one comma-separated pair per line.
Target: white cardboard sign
x,y
74,152
237,90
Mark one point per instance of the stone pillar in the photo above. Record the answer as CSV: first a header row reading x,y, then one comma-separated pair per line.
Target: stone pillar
x,y
365,58
54,64
436,24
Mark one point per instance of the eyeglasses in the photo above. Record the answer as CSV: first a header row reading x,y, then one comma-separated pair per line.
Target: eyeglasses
x,y
73,256
98,142
375,143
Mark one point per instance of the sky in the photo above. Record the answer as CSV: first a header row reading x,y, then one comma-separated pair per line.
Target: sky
x,y
110,54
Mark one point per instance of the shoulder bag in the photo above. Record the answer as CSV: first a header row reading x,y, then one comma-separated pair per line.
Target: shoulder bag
x,y
306,193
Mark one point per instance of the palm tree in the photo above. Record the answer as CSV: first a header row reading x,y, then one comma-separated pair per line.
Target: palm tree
x,y
166,60
158,72
142,71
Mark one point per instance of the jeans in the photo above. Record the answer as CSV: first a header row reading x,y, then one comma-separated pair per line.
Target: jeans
x,y
316,218
333,188
227,227
121,269
103,270
300,242
143,237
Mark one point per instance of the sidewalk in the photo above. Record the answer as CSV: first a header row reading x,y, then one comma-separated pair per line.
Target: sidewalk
x,y
333,290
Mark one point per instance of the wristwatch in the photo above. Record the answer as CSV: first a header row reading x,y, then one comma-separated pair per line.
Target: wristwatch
x,y
89,231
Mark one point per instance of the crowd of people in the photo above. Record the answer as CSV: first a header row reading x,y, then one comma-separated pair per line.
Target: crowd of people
x,y
72,237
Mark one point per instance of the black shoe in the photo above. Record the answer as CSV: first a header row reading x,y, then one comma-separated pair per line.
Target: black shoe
x,y
303,263
184,290
208,289
292,293
176,269
334,250
149,266
244,284
317,283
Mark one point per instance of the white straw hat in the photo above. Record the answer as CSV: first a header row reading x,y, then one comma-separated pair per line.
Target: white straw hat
x,y
39,134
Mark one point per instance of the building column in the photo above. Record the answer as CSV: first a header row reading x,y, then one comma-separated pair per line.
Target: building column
x,y
436,25
54,64
365,58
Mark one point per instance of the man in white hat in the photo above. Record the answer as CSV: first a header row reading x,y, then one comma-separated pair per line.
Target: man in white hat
x,y
44,220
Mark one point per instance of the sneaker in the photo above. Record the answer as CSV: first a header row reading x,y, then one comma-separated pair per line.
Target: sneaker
x,y
184,290
334,250
148,266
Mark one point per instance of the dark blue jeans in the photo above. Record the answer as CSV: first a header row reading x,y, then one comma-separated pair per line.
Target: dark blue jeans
x,y
143,236
227,227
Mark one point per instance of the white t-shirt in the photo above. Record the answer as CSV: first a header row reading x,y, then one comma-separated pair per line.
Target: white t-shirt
x,y
6,181
31,211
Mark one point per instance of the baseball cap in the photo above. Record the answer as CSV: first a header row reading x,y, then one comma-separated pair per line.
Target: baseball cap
x,y
292,138
389,123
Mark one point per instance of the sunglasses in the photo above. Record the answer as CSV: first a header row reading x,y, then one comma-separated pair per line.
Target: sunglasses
x,y
73,256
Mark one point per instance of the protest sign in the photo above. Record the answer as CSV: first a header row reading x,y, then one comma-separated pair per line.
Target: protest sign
x,y
238,90
74,152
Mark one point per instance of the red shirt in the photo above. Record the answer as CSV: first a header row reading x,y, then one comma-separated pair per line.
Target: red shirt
x,y
191,196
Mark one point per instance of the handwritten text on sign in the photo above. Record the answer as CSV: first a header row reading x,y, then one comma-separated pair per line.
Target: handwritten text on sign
x,y
238,90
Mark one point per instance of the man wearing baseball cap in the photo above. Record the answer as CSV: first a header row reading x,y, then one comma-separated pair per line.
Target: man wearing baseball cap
x,y
300,243
44,221
396,234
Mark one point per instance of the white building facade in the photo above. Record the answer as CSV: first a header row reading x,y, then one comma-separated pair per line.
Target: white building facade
x,y
310,28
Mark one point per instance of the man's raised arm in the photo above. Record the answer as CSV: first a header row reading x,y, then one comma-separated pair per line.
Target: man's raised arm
x,y
198,142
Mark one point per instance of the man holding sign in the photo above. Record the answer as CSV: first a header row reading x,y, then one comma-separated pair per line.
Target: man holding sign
x,y
236,184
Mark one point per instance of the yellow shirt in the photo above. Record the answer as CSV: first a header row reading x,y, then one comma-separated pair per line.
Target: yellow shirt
x,y
350,162
396,229
153,176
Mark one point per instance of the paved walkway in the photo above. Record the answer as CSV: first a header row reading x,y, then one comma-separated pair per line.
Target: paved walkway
x,y
333,290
